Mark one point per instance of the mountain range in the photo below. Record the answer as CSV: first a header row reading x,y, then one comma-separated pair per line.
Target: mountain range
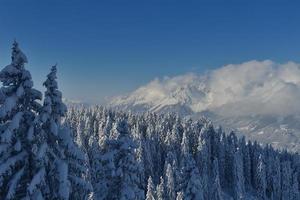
x,y
257,99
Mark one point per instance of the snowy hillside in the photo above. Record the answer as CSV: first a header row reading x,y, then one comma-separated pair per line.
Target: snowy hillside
x,y
165,157
257,98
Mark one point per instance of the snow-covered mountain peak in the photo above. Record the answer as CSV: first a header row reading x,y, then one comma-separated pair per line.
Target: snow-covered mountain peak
x,y
180,90
263,87
234,96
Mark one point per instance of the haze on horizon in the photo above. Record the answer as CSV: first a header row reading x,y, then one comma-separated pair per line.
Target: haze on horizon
x,y
109,48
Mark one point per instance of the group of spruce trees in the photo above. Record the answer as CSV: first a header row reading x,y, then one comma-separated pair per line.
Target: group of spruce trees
x,y
98,154
38,158
164,157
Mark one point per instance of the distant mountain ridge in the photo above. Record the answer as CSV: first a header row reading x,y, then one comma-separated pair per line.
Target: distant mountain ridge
x,y
75,103
259,99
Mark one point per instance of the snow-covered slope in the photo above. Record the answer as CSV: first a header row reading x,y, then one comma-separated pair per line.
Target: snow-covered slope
x,y
260,99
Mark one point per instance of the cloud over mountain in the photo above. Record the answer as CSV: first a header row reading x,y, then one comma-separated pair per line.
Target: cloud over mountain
x,y
254,87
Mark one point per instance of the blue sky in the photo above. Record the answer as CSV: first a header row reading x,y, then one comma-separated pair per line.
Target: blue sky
x,y
105,48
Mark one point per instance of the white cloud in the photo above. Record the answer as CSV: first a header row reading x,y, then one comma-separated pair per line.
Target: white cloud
x,y
254,87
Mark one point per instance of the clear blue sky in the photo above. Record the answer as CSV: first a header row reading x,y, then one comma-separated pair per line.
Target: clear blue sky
x,y
104,48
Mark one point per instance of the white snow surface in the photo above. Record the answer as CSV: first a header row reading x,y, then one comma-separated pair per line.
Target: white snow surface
x,y
249,97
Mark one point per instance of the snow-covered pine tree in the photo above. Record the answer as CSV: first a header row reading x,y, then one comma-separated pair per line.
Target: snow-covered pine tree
x,y
295,194
221,159
194,189
260,178
95,167
246,162
229,160
51,153
74,167
272,188
286,180
215,190
107,170
140,158
65,161
126,183
179,196
170,182
160,190
238,176
190,179
276,177
54,108
150,190
203,160
18,113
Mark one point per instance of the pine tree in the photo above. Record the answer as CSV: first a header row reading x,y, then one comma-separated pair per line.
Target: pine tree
x,y
170,183
20,176
150,190
261,178
179,196
108,170
221,159
203,158
246,162
286,180
95,167
276,177
50,121
65,161
216,191
238,173
74,166
160,190
144,158
229,160
194,188
127,181
295,194
190,181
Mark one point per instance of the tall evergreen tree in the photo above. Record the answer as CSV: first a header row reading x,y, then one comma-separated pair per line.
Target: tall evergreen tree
x,y
246,162
65,162
216,191
276,178
160,190
126,181
190,181
261,178
74,167
295,194
170,183
150,190
239,181
50,121
286,180
203,160
179,196
20,176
